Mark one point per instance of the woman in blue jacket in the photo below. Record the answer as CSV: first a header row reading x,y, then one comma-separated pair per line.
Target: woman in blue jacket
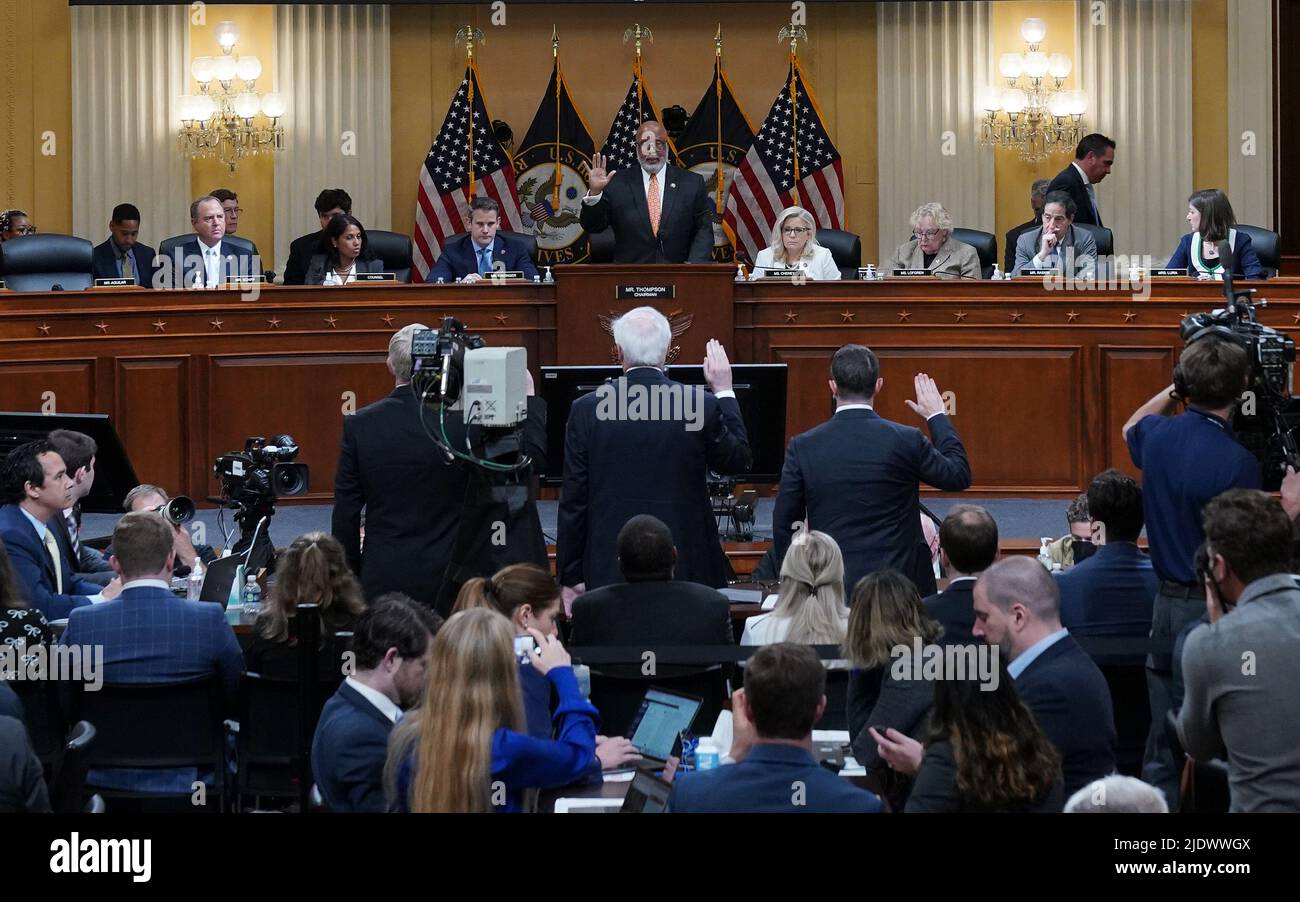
x,y
1212,220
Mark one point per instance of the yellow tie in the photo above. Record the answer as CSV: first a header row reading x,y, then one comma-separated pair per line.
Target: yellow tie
x,y
652,200
53,547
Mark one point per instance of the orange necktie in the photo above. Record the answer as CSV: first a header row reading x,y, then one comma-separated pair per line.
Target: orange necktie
x,y
652,201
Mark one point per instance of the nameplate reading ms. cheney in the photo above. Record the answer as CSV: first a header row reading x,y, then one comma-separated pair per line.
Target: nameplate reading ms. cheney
x,y
645,292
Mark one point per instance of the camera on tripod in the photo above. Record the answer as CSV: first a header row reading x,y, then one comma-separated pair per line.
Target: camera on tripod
x,y
262,472
454,370
735,514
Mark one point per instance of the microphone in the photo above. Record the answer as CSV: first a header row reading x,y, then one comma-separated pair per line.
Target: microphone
x,y
1229,260
57,286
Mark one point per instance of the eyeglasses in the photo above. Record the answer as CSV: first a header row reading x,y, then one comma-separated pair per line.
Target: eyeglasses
x,y
235,210
25,230
795,230
927,234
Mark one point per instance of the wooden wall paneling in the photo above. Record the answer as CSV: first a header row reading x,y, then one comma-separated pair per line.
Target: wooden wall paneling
x,y
1130,375
152,415
48,385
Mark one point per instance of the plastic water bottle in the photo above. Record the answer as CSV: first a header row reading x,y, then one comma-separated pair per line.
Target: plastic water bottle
x,y
1045,554
251,599
194,588
706,754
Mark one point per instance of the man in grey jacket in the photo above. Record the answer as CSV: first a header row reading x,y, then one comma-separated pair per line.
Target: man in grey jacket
x,y
1057,244
1241,670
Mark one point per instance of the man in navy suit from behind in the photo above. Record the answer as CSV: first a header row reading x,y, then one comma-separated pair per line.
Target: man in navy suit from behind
x,y
391,641
1017,608
36,490
148,635
775,771
968,545
122,255
480,251
855,477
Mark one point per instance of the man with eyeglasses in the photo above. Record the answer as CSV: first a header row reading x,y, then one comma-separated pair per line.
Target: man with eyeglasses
x,y
659,213
230,206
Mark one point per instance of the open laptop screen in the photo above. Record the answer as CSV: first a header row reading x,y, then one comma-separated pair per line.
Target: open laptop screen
x,y
662,717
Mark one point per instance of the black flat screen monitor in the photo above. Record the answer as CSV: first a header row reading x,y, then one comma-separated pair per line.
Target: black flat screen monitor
x,y
114,475
760,392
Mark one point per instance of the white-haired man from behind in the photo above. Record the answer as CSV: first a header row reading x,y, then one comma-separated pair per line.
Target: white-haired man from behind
x,y
673,433
1117,795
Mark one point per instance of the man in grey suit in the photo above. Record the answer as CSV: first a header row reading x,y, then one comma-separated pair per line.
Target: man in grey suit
x,y
1057,244
1240,670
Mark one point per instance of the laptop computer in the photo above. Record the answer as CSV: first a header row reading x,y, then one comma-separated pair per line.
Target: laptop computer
x,y
647,795
659,722
219,579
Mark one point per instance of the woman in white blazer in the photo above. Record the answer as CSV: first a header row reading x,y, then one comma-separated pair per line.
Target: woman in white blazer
x,y
794,246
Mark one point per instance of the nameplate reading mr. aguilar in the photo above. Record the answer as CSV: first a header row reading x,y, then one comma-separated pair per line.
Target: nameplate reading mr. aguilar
x,y
645,292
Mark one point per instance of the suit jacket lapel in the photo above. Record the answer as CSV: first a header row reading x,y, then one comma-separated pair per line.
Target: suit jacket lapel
x,y
940,258
639,200
669,176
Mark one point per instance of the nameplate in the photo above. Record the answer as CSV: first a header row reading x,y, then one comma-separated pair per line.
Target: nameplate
x,y
911,272
245,280
506,275
375,277
119,282
1169,272
645,292
783,273
1037,272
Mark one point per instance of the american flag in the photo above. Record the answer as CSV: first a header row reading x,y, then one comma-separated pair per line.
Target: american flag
x,y
451,175
620,145
780,172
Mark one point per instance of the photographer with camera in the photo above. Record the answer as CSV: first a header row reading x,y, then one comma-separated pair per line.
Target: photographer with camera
x,y
146,497
1186,460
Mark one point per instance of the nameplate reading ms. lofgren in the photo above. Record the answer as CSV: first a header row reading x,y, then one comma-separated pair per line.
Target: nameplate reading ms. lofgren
x,y
645,292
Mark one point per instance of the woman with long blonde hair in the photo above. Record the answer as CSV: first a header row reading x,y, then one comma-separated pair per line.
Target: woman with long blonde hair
x,y
810,602
467,750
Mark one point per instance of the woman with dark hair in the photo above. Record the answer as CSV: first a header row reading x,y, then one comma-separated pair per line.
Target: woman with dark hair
x,y
21,626
313,570
343,252
1212,221
15,224
986,753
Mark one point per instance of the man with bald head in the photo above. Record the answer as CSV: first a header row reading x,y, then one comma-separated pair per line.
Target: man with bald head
x,y
1018,609
659,213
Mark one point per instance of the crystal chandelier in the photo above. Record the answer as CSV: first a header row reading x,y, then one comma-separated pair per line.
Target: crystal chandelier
x,y
1029,115
221,121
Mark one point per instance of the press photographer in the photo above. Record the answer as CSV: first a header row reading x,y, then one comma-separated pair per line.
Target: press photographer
x,y
443,501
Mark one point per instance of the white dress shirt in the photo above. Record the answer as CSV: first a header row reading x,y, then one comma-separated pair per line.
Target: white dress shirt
x,y
211,263
864,406
378,699
332,276
645,184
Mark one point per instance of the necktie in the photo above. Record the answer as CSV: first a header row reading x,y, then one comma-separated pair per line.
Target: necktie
x,y
53,548
210,277
127,271
1092,198
652,201
72,532
484,262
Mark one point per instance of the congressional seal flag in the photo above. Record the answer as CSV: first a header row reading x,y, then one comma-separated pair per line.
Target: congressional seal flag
x,y
714,142
550,174
792,162
466,160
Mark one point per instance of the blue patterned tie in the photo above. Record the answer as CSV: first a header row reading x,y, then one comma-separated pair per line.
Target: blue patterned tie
x,y
484,261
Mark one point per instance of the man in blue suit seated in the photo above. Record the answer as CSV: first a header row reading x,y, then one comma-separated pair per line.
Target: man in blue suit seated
x,y
148,635
36,489
775,771
122,256
391,642
968,545
1112,592
480,251
1018,609
205,261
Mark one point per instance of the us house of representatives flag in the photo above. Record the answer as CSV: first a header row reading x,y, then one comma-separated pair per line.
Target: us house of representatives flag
x,y
550,175
714,143
791,162
466,160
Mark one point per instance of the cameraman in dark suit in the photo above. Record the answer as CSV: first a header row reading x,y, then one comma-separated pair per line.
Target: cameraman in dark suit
x,y
855,477
673,455
659,213
416,503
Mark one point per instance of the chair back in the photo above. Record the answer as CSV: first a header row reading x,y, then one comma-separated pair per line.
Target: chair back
x,y
269,750
602,246
68,788
43,714
526,241
985,244
1132,708
836,716
47,263
1104,237
1266,244
393,249
153,725
845,248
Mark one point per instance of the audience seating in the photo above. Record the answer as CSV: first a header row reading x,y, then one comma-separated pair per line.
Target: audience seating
x,y
985,244
1204,788
1132,709
68,788
845,248
43,714
47,263
836,716
268,751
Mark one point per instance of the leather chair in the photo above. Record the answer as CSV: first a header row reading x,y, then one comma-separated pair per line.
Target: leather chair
x,y
1266,244
168,249
393,249
69,784
845,248
47,263
1104,237
602,246
523,240
985,244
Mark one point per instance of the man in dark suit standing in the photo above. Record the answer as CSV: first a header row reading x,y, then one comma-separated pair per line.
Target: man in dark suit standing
x,y
329,203
659,213
651,607
968,545
855,477
148,635
415,499
480,251
37,489
1093,158
122,256
676,434
205,261
391,641
1017,608
1037,197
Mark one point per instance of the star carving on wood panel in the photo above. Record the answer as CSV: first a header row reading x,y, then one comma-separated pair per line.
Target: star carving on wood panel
x,y
1130,316
388,319
501,318
791,316
159,325
217,323
847,316
1295,317
332,321
44,328
1071,316
1016,316
904,316
960,315
273,322
102,327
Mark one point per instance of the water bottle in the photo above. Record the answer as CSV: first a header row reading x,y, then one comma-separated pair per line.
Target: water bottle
x,y
689,744
706,754
1045,554
251,599
194,588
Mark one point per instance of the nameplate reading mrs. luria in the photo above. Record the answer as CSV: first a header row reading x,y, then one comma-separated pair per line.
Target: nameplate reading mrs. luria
x,y
645,292
1169,272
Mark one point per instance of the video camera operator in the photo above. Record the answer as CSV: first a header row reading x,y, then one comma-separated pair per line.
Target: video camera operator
x,y
1186,460
431,522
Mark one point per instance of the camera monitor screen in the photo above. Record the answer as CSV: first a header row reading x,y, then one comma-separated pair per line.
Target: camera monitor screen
x,y
760,392
114,475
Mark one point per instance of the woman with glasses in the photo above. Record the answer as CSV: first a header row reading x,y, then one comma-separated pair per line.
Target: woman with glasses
x,y
15,224
794,246
933,248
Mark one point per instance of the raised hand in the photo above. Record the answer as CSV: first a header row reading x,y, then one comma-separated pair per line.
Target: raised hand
x,y
928,399
717,368
598,176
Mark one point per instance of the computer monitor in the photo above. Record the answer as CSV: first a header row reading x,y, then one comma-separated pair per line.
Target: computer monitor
x,y
760,392
114,475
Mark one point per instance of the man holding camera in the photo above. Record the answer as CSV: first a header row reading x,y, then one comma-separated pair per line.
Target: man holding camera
x,y
1186,460
146,497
